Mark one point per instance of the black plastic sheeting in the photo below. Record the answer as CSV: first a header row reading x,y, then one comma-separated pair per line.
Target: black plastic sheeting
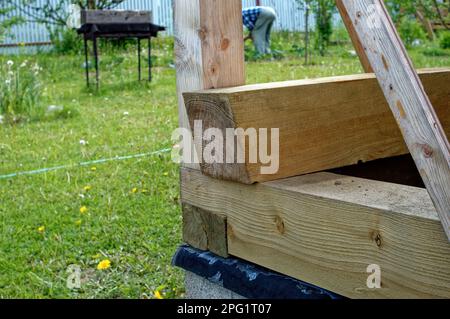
x,y
245,279
123,30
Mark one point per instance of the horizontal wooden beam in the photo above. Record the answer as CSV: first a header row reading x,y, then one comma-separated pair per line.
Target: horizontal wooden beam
x,y
327,229
324,123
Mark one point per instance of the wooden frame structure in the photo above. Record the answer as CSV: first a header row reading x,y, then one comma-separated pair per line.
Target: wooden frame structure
x,y
323,228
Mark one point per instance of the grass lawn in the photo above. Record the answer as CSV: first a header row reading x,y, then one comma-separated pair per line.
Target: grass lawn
x,y
133,215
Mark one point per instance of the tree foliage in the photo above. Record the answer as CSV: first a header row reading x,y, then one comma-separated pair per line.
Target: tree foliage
x,y
323,11
55,13
7,21
431,9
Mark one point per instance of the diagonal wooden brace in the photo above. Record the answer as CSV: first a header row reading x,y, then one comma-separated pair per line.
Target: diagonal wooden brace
x,y
420,126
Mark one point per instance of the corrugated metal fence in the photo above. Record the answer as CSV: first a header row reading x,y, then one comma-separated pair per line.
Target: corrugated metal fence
x,y
290,17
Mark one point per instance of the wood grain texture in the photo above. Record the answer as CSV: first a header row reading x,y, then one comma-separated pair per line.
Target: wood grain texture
x,y
209,51
326,229
221,33
324,123
205,230
406,96
354,37
115,16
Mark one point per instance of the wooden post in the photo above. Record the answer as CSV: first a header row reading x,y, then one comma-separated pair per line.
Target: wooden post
x,y
406,96
209,53
209,46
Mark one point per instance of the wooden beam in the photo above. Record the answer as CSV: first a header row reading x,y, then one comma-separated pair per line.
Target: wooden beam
x,y
327,229
209,47
354,37
205,230
324,123
406,96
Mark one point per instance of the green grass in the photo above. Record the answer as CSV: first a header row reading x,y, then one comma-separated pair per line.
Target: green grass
x,y
137,231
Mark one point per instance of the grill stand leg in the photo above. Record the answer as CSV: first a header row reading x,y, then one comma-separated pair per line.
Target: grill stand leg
x,y
149,59
139,58
86,55
96,62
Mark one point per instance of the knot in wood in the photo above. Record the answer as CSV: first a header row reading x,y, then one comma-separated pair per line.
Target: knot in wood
x,y
280,225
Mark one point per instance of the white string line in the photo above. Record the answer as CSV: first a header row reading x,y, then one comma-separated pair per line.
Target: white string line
x,y
89,163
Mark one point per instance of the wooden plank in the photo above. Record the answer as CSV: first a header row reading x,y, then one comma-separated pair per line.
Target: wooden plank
x,y
209,50
205,230
406,96
354,37
115,16
324,123
327,229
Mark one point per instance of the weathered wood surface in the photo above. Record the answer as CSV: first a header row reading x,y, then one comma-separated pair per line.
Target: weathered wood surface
x,y
324,123
205,230
209,47
420,126
327,229
115,17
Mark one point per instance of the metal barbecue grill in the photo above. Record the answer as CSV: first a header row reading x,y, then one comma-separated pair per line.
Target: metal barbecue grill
x,y
116,24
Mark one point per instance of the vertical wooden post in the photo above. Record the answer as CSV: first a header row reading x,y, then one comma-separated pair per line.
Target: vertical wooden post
x,y
422,131
209,53
209,47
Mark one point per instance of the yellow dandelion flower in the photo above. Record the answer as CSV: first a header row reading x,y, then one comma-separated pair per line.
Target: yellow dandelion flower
x,y
158,295
104,264
87,188
93,168
83,210
78,222
134,190
41,229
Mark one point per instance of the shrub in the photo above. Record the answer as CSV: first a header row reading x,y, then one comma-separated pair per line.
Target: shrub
x,y
340,35
435,52
66,41
20,91
445,40
411,31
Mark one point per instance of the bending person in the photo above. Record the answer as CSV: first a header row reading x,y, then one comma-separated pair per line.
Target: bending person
x,y
259,21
